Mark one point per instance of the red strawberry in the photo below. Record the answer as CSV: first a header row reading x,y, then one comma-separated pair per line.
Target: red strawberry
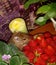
x,y
26,52
37,41
39,38
54,38
44,56
26,48
36,63
43,43
49,40
52,59
39,50
34,49
49,50
53,44
32,43
30,55
41,61
47,35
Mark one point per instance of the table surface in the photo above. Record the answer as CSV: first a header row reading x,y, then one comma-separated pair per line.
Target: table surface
x,y
48,27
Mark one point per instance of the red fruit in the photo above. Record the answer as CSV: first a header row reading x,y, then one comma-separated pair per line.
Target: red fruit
x,y
36,63
49,40
26,47
43,43
53,44
31,55
52,59
49,50
34,49
47,35
39,38
37,41
26,52
44,57
32,43
41,61
39,50
54,38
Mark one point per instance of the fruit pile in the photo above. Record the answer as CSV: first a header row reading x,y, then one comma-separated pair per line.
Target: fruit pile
x,y
42,50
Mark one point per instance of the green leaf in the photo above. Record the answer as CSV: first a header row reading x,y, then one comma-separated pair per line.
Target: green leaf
x,y
0,57
43,9
49,10
3,48
41,21
29,2
18,57
15,60
51,14
26,64
53,6
3,63
13,50
20,53
23,59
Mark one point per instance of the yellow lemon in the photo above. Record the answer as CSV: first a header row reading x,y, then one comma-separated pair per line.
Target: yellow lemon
x,y
18,25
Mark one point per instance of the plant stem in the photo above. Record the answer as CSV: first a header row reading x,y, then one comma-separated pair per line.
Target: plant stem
x,y
52,19
54,23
